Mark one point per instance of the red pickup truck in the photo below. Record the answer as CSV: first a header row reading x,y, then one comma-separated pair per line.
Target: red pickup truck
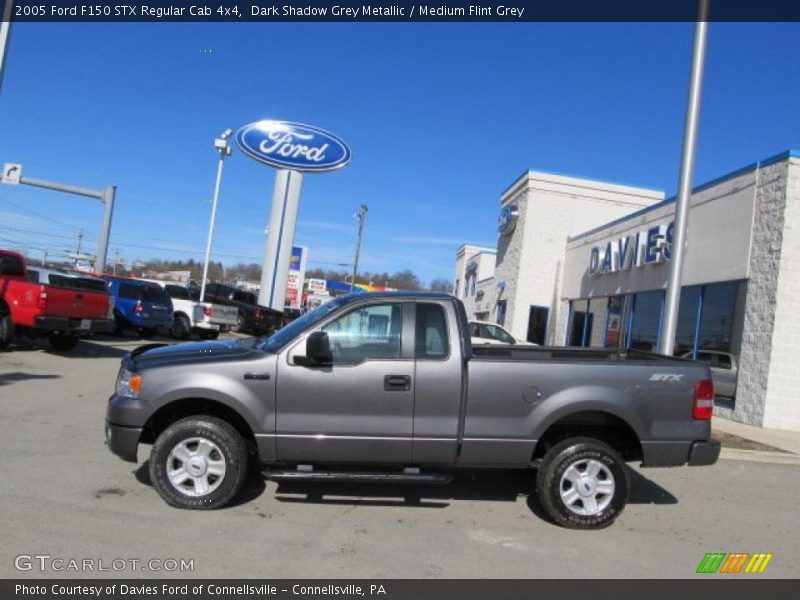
x,y
60,305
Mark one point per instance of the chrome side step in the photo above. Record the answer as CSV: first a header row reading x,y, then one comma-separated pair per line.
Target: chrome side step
x,y
407,476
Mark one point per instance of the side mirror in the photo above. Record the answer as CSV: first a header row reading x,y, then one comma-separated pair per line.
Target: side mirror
x,y
318,348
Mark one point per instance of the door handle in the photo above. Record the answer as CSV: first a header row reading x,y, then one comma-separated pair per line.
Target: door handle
x,y
397,383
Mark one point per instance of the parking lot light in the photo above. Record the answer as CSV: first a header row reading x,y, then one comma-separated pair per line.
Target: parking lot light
x,y
221,145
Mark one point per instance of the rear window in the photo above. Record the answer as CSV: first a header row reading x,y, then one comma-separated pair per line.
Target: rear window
x,y
77,283
176,291
245,297
11,266
129,291
154,294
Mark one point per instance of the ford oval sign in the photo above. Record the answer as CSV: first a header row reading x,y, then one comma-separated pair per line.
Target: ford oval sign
x,y
507,219
296,146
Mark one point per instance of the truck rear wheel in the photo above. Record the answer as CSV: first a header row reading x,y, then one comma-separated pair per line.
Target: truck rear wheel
x,y
582,483
6,330
181,327
198,463
63,343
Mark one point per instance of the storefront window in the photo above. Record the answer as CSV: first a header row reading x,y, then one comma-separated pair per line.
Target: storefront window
x,y
613,322
716,318
537,324
646,320
687,321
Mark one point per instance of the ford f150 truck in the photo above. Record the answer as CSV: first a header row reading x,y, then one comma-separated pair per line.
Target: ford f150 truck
x,y
190,316
388,387
60,305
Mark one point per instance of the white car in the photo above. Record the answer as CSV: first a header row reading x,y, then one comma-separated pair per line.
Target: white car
x,y
483,332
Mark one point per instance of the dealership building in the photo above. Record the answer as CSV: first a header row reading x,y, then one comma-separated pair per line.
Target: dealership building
x,y
585,263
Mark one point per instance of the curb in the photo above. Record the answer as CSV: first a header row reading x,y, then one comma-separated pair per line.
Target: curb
x,y
774,458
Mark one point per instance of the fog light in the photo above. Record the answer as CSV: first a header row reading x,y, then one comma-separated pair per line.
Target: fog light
x,y
108,433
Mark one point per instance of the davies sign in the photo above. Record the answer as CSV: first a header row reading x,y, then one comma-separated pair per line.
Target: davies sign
x,y
295,146
647,247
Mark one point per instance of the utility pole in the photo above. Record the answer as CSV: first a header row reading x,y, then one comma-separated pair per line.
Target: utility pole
x,y
78,251
361,215
5,35
673,295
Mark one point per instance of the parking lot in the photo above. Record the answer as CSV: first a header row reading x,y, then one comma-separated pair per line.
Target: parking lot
x,y
66,496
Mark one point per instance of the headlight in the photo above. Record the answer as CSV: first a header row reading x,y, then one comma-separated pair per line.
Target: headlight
x,y
128,383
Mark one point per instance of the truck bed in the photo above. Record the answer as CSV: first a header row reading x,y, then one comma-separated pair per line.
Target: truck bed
x,y
565,353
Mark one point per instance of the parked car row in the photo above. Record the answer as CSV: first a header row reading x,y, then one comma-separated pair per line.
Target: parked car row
x,y
64,305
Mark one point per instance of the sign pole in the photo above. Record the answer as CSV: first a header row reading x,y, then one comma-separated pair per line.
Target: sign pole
x,y
280,239
672,303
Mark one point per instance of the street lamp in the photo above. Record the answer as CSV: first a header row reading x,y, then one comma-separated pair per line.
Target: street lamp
x,y
221,145
361,216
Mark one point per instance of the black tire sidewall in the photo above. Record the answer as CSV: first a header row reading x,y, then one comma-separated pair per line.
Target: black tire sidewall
x,y
181,328
227,439
558,460
6,329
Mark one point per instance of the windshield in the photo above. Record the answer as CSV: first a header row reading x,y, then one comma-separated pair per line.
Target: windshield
x,y
286,334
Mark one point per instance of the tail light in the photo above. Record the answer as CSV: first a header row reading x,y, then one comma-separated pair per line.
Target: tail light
x,y
41,303
207,310
703,400
138,308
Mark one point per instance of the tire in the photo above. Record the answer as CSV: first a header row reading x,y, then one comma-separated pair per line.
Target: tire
x,y
119,325
241,324
208,334
6,330
63,343
205,441
181,328
572,479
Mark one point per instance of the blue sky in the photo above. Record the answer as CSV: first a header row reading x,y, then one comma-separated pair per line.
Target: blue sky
x,y
441,118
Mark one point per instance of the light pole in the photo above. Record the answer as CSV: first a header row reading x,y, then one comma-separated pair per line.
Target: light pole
x,y
361,215
673,293
221,144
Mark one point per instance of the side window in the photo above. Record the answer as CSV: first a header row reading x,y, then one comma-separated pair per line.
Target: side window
x,y
431,332
473,330
365,333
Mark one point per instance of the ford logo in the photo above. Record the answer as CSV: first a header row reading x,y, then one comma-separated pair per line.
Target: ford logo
x,y
296,146
507,219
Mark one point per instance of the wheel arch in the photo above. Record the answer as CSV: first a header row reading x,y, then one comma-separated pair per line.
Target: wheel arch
x,y
178,409
598,423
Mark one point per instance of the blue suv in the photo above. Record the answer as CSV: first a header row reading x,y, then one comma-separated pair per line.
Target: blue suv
x,y
139,305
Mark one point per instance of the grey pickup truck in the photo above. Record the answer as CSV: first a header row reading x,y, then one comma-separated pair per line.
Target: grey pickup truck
x,y
387,387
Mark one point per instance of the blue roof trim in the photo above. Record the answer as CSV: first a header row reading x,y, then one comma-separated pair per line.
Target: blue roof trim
x,y
751,167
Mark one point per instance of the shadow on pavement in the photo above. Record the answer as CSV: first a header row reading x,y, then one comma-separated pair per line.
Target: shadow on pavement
x,y
504,486
8,378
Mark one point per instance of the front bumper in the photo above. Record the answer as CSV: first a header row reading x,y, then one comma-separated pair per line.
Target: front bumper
x,y
704,453
69,325
123,441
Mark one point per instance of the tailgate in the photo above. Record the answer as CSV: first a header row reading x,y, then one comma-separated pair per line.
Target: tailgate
x,y
72,301
223,315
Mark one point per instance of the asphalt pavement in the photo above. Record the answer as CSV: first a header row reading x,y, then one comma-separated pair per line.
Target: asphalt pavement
x,y
64,495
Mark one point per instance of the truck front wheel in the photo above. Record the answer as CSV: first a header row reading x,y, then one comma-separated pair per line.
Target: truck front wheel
x,y
582,484
199,463
6,329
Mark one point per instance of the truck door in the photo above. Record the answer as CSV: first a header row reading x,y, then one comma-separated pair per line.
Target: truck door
x,y
360,407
